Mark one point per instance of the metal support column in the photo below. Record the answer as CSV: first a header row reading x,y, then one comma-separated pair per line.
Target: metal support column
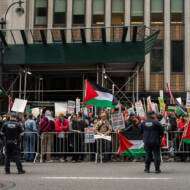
x,y
137,87
103,72
25,84
39,88
20,85
133,91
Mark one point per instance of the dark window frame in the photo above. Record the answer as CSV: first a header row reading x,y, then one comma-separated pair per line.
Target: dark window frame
x,y
36,15
93,15
74,24
65,14
123,14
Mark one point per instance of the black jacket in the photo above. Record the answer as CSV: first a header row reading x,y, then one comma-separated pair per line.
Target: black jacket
x,y
152,131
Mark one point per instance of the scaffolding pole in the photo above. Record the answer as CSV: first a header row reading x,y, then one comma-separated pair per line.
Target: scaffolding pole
x,y
137,87
20,85
25,84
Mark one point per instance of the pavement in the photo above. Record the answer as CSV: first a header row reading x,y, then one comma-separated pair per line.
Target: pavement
x,y
90,176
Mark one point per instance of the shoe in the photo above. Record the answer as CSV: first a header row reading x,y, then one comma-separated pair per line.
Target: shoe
x,y
158,171
147,170
22,172
7,172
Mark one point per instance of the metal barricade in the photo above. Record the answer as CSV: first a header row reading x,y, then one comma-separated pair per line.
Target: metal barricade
x,y
108,148
175,145
29,146
64,144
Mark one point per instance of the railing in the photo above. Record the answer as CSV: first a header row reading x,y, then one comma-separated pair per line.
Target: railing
x,y
63,144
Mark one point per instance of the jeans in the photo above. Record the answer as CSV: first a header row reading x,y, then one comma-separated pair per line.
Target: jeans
x,y
29,146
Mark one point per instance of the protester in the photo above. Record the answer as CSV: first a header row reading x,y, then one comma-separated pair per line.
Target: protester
x,y
62,126
30,138
47,126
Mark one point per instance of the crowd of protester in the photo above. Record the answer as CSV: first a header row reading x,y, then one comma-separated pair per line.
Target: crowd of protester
x,y
65,134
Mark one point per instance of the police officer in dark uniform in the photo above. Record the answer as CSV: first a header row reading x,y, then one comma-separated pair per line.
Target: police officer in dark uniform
x,y
152,134
12,131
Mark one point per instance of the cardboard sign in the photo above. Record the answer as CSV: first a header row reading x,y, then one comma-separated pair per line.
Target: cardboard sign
x,y
118,121
19,105
60,108
139,109
188,100
89,135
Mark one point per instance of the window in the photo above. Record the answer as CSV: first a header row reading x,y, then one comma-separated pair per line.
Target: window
x,y
59,12
41,12
177,51
98,12
177,10
137,11
157,56
78,11
117,12
157,8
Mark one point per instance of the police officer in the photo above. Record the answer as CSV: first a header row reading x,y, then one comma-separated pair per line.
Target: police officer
x,y
152,134
12,131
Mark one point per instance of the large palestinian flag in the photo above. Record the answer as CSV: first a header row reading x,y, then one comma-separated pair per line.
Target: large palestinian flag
x,y
131,144
98,96
186,137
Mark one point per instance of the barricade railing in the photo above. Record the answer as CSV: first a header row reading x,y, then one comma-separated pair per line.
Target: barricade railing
x,y
63,144
29,146
175,144
66,143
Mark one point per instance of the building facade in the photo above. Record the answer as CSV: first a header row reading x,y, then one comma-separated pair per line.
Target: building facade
x,y
168,61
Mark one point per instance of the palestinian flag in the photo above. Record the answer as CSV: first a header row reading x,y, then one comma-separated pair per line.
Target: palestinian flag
x,y
131,144
180,109
98,96
186,137
170,108
2,92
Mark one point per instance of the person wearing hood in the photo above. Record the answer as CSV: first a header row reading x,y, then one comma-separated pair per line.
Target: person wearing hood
x,y
47,126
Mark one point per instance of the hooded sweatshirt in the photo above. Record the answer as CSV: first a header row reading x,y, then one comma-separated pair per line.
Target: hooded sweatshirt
x,y
47,123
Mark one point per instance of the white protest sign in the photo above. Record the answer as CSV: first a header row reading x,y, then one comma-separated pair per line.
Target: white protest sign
x,y
71,106
35,112
77,105
179,100
188,100
89,135
19,105
131,110
60,108
118,121
161,93
139,109
108,138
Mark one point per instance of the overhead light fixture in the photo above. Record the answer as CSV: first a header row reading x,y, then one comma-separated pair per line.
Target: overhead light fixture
x,y
105,76
29,73
20,9
41,79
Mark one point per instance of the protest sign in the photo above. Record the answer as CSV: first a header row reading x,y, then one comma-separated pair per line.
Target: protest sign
x,y
89,135
35,112
71,107
60,108
188,100
179,100
19,105
108,138
162,104
139,109
149,104
118,121
161,93
77,106
131,110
